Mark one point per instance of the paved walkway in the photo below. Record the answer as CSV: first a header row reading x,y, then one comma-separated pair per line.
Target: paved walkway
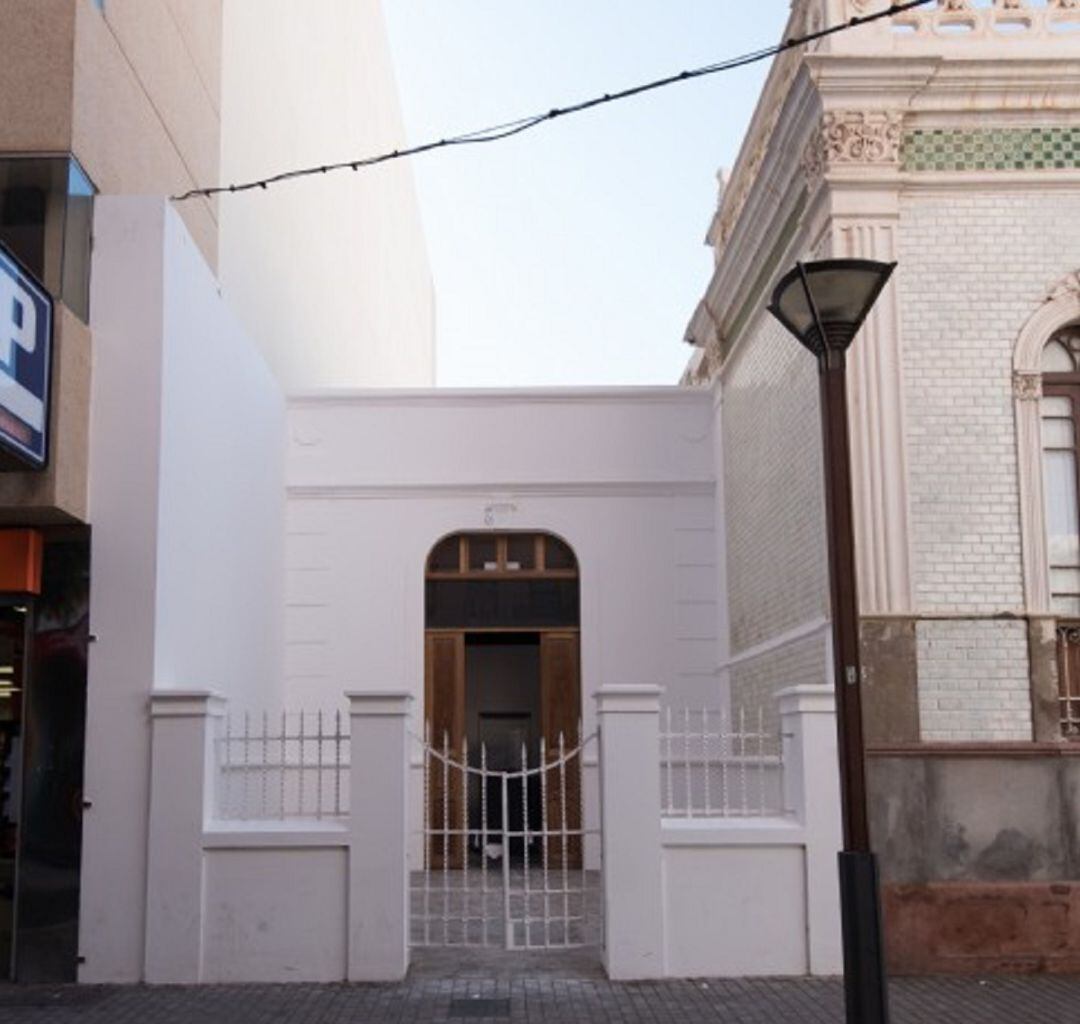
x,y
546,997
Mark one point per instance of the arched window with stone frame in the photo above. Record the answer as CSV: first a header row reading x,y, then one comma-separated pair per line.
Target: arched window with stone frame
x,y
1046,389
1059,413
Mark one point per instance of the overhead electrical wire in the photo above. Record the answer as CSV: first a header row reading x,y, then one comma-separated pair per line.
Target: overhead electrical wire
x,y
495,133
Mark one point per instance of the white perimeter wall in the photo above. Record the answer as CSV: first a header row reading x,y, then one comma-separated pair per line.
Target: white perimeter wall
x,y
329,273
624,475
186,508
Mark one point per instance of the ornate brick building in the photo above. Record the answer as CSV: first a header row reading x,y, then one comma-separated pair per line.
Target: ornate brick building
x,y
948,139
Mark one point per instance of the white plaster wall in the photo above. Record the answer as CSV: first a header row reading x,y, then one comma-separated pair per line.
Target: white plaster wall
x,y
185,589
374,481
731,911
624,475
275,915
329,274
221,516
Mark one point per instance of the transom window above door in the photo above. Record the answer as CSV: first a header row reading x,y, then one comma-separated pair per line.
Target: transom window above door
x,y
532,555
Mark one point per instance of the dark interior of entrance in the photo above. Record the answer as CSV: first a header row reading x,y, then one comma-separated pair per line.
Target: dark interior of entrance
x,y
503,725
502,680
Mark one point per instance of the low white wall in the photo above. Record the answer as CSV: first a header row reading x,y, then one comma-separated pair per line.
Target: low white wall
x,y
734,898
276,907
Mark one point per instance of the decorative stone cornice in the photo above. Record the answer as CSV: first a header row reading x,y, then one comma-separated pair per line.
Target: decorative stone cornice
x,y
1027,387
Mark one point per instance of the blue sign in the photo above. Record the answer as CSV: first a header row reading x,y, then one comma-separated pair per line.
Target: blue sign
x,y
26,314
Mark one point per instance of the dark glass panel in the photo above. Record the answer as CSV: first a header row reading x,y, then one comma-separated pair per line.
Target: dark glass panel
x,y
558,555
12,687
515,604
46,214
446,556
483,552
55,723
521,551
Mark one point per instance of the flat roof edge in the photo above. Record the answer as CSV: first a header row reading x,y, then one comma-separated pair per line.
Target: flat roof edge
x,y
480,396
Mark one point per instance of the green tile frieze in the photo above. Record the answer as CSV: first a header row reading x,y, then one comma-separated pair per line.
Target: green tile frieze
x,y
990,149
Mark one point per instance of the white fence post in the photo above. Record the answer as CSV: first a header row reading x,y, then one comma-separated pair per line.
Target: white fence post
x,y
378,948
812,791
182,777
630,827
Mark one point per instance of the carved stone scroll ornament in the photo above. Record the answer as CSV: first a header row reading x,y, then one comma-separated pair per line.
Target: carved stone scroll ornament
x,y
1068,285
1027,387
857,137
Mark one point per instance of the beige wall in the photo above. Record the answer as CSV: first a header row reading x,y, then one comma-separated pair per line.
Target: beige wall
x,y
132,90
36,68
329,273
146,103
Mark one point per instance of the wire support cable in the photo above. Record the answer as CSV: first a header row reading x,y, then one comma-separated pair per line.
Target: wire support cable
x,y
496,133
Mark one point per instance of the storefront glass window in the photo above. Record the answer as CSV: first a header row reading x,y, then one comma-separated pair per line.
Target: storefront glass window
x,y
46,213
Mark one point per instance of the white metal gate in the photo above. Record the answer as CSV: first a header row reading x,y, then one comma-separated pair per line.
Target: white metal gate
x,y
507,860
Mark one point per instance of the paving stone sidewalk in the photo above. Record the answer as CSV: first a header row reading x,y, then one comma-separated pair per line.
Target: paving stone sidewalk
x,y
547,998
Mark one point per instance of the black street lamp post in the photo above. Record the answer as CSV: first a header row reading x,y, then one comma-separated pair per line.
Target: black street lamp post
x,y
824,304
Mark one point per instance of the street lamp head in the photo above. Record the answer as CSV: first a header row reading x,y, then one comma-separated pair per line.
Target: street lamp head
x,y
825,303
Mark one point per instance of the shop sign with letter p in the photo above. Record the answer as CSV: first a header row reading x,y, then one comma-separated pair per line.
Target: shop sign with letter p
x,y
26,314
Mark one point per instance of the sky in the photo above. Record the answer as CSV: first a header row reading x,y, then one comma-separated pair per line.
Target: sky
x,y
573,254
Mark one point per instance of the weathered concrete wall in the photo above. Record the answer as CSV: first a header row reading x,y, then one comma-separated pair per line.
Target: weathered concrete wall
x,y
889,669
979,856
981,818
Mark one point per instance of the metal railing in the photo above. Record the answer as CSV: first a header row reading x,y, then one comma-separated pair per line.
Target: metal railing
x,y
279,766
1068,659
716,765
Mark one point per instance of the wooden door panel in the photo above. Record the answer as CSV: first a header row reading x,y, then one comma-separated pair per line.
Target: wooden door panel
x,y
560,704
444,712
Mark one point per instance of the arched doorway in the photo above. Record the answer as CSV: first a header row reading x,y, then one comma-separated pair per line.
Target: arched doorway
x,y
502,682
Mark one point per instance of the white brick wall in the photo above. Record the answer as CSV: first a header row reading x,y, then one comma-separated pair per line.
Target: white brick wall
x,y
973,680
775,514
773,488
756,682
972,270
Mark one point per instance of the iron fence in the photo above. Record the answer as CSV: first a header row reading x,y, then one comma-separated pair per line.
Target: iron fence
x,y
279,766
715,765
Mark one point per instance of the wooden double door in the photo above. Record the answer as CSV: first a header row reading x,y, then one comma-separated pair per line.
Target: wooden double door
x,y
446,685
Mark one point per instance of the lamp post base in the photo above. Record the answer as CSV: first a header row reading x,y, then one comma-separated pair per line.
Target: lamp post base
x,y
865,990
